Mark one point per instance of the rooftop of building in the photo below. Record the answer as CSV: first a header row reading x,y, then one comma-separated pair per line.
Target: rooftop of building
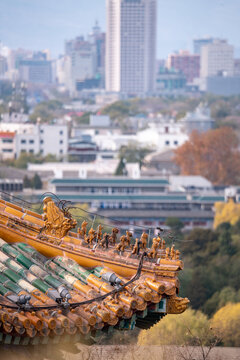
x,y
115,180
7,134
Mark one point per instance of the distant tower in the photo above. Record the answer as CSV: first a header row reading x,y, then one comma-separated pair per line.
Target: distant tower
x,y
131,46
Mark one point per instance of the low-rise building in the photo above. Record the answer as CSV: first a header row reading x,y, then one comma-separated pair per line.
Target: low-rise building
x,y
221,85
143,201
7,145
39,139
99,167
170,81
162,134
82,149
199,119
11,185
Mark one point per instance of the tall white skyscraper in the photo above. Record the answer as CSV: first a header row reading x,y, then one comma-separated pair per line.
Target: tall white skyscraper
x,y
131,46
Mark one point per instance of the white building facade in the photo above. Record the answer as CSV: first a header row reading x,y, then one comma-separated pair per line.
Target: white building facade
x,y
131,46
38,139
216,58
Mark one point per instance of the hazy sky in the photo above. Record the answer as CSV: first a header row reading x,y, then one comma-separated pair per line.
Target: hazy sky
x,y
45,24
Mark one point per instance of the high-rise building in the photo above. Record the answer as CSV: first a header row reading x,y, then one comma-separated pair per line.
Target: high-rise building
x,y
198,43
217,58
98,38
188,64
131,46
3,66
36,71
81,64
35,68
237,67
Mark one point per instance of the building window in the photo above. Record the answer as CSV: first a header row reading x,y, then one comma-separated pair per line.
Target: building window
x,y
31,151
175,142
61,151
31,141
41,131
23,151
41,141
61,132
7,140
7,150
167,142
23,141
60,141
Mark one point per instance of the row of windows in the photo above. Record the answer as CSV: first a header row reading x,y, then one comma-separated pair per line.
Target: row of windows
x,y
23,141
167,142
31,151
60,132
7,150
11,187
7,141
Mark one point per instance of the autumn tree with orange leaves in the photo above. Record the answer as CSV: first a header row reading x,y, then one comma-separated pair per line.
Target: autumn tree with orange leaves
x,y
213,154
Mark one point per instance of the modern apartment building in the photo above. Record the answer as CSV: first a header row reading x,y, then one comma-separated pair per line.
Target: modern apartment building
x,y
217,58
131,46
188,64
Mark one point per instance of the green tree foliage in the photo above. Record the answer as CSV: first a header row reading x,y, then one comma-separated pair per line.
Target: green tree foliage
x,y
82,120
121,169
220,298
134,152
176,225
27,182
36,182
121,109
212,267
46,111
22,161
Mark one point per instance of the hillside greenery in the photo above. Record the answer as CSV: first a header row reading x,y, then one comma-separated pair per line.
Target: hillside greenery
x,y
211,275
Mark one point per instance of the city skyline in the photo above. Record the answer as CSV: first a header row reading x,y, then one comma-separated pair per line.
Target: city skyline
x,y
51,23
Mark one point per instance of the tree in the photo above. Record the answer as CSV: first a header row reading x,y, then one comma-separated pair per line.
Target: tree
x,y
24,159
226,213
175,224
121,169
220,299
134,152
27,182
174,330
46,111
226,321
36,182
189,335
213,154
